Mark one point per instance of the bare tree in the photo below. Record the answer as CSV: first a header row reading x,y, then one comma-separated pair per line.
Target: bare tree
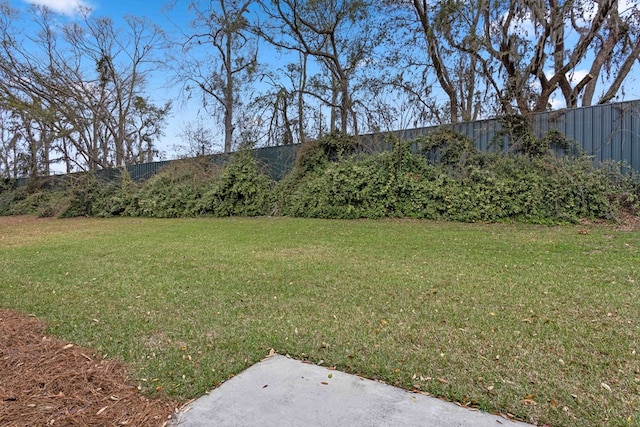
x,y
11,149
78,88
444,35
339,35
532,44
198,139
219,57
516,55
123,62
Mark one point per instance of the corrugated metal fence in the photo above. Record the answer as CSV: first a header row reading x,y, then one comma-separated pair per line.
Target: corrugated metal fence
x,y
609,132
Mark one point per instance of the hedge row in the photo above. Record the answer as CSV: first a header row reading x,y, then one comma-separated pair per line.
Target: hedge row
x,y
445,178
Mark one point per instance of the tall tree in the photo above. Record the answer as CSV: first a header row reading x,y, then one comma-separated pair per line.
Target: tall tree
x,y
219,57
430,57
339,35
540,47
520,53
77,87
123,59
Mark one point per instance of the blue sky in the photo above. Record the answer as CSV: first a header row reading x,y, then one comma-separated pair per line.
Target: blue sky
x,y
112,8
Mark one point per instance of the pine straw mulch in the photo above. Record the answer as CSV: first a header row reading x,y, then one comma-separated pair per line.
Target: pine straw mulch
x,y
48,382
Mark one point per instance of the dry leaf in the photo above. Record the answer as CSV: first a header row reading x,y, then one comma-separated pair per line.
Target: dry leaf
x,y
528,402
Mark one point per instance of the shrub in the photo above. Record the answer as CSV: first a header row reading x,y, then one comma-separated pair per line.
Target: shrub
x,y
242,189
118,198
317,154
176,190
466,187
446,147
82,191
197,187
333,179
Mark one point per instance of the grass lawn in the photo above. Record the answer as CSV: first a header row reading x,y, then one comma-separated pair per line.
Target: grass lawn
x,y
539,322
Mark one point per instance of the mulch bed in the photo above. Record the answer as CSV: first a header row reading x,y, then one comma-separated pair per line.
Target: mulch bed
x,y
48,382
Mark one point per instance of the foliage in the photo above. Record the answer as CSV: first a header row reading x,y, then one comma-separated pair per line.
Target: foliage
x,y
446,147
241,190
177,189
118,198
331,179
313,157
316,154
522,139
197,187
83,190
43,198
466,186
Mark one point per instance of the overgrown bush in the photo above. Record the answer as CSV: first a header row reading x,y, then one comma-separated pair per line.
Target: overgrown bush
x,y
466,186
523,140
197,187
445,147
317,154
83,191
177,190
243,189
118,198
32,200
332,179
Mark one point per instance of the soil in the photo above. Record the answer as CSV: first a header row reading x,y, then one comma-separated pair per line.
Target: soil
x,y
45,381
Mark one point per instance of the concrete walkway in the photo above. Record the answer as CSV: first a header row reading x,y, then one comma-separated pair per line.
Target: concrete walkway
x,y
284,392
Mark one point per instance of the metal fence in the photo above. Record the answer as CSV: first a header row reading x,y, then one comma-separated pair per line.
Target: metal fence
x,y
609,132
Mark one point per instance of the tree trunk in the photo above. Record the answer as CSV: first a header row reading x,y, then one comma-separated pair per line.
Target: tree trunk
x,y
228,99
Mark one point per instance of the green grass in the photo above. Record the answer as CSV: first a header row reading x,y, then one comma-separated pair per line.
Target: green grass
x,y
495,316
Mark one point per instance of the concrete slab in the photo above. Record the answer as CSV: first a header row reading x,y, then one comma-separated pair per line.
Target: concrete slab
x,y
284,392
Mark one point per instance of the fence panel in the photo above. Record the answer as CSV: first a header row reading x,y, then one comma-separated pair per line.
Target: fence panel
x,y
609,132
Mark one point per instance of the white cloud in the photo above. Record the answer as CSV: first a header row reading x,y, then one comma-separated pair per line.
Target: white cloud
x,y
65,7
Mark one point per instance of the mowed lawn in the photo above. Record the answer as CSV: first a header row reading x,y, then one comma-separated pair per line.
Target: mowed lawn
x,y
539,322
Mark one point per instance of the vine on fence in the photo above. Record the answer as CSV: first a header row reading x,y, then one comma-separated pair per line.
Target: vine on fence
x,y
332,180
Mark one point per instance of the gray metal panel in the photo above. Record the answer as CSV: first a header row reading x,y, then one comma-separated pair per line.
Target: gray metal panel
x,y
611,144
145,170
631,135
